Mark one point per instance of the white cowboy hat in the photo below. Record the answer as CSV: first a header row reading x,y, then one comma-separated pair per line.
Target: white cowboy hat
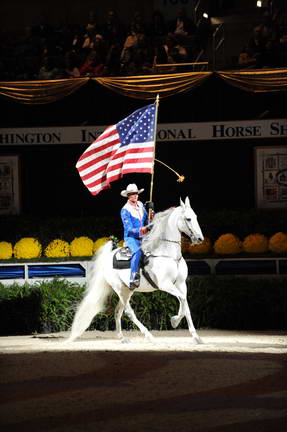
x,y
132,188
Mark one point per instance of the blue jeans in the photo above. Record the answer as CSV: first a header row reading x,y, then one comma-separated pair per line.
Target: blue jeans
x,y
134,246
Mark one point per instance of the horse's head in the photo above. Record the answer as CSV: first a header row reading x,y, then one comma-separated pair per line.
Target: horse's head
x,y
188,224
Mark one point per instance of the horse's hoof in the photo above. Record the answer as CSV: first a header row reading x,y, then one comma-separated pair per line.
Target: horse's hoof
x,y
196,340
174,321
126,341
150,338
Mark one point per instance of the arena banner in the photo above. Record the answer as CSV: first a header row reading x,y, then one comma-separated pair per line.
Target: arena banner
x,y
166,132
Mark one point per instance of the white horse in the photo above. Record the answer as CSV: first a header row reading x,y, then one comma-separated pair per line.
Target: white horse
x,y
166,268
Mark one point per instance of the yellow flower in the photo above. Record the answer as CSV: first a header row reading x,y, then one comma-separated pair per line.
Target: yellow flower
x,y
278,243
27,247
81,246
255,243
6,250
57,248
203,248
227,244
99,243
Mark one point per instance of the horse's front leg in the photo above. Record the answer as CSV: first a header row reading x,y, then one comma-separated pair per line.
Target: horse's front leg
x,y
175,320
180,291
195,337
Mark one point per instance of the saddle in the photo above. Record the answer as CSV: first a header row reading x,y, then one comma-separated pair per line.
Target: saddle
x,y
122,260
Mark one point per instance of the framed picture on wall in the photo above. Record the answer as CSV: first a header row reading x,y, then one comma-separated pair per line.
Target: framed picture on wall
x,y
9,185
271,177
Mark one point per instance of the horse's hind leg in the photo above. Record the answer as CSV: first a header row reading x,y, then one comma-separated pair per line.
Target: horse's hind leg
x,y
132,316
124,306
124,297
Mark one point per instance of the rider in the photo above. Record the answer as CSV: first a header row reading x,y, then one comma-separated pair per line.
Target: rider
x,y
135,218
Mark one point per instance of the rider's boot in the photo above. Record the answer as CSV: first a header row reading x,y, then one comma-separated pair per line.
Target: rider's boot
x,y
135,282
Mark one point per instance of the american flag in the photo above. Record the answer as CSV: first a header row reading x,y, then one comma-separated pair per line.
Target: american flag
x,y
126,147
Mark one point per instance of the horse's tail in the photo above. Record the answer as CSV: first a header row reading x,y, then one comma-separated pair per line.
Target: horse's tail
x,y
95,294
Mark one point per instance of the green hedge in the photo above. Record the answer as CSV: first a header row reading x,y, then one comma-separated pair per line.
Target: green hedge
x,y
215,302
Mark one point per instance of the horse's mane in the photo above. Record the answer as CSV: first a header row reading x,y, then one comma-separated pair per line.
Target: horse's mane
x,y
159,222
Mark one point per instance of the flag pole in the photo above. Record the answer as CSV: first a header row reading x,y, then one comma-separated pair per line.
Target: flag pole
x,y
152,173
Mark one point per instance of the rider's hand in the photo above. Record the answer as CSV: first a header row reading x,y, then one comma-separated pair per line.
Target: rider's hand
x,y
143,230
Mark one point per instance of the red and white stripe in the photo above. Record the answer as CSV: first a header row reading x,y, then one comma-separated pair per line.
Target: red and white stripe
x,y
105,161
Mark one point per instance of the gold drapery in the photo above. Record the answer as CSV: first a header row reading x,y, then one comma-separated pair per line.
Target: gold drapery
x,y
144,86
148,86
40,92
257,80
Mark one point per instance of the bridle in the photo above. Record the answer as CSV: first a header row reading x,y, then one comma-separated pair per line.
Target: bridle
x,y
192,236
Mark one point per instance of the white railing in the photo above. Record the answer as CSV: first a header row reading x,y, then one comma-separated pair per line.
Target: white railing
x,y
77,271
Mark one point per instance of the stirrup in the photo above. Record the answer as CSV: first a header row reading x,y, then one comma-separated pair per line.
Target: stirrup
x,y
135,283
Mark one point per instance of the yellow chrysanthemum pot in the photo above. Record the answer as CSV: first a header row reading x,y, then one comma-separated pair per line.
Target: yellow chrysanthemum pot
x,y
278,243
6,250
99,243
255,243
57,249
228,244
81,246
27,248
201,249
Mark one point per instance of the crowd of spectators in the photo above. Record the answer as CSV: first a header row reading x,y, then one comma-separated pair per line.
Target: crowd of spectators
x,y
112,48
267,45
100,49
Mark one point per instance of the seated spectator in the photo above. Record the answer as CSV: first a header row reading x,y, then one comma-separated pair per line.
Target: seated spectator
x,y
162,57
92,22
268,27
43,30
113,30
183,27
128,48
245,60
78,36
256,47
88,42
99,45
71,65
174,50
158,29
49,69
113,60
92,66
281,51
137,23
142,57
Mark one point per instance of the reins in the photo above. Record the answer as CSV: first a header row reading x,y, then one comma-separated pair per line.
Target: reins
x,y
168,256
172,241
